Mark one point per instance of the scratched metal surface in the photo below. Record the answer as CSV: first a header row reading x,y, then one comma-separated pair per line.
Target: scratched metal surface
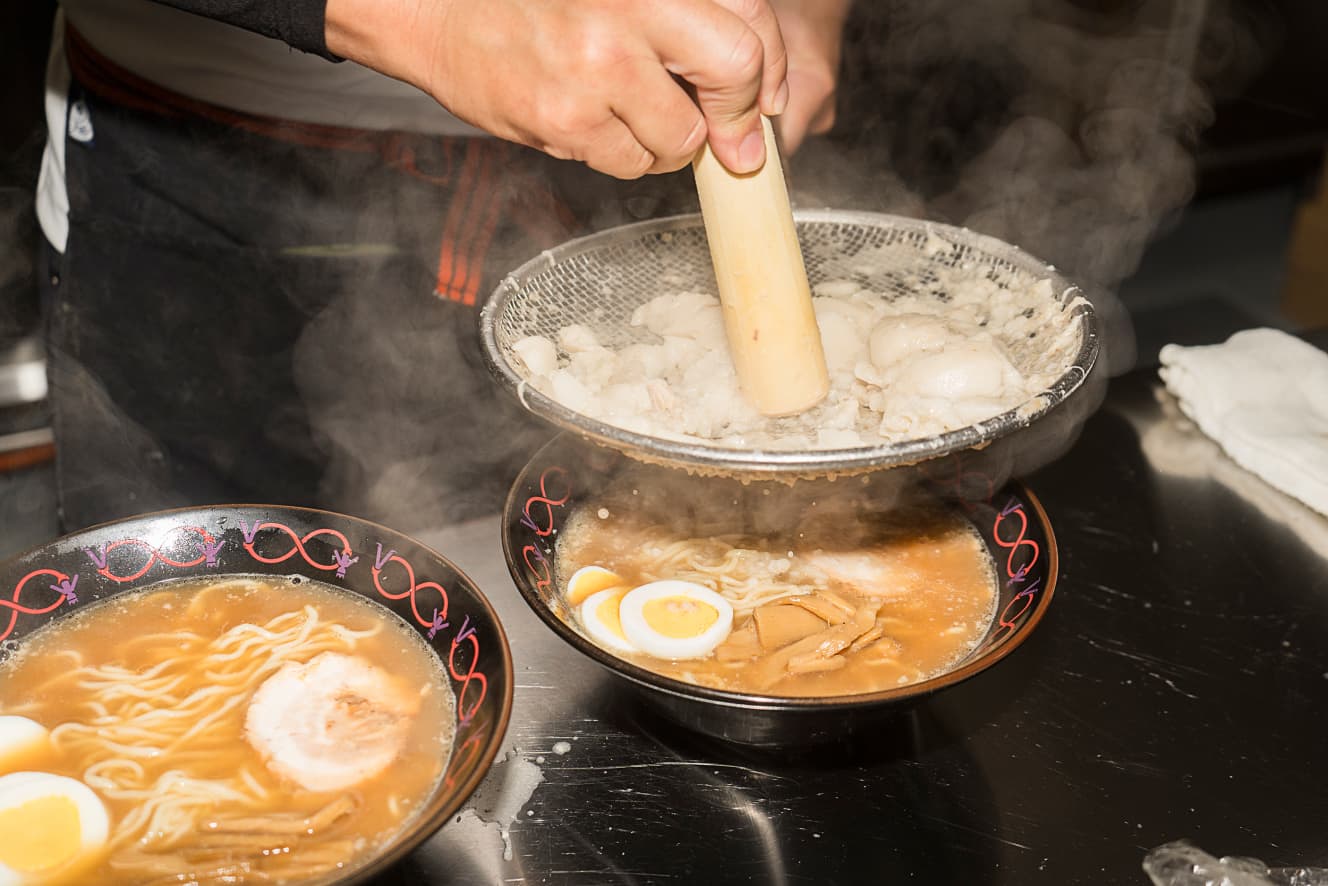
x,y
1177,689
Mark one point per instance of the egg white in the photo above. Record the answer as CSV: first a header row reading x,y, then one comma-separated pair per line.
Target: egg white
x,y
642,635
598,630
94,822
23,743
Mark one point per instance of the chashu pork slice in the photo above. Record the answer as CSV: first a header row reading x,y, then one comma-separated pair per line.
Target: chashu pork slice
x,y
332,722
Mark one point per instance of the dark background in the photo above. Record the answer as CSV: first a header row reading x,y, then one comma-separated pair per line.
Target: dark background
x,y
24,41
1263,63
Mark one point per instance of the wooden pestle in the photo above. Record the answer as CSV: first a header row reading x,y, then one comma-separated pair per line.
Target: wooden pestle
x,y
767,304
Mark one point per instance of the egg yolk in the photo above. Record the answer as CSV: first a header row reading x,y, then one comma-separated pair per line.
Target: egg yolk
x,y
39,835
590,580
678,617
607,612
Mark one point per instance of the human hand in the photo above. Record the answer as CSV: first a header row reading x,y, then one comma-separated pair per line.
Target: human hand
x,y
813,34
591,80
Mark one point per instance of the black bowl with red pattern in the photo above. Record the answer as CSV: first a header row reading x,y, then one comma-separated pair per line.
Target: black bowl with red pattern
x,y
406,579
1010,520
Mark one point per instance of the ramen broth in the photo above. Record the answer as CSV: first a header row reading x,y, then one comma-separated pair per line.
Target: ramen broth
x,y
826,600
150,699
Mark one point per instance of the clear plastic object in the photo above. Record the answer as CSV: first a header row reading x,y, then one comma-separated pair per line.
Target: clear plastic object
x,y
1183,864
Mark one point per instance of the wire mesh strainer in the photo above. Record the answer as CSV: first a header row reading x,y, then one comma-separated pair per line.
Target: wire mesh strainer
x,y
599,280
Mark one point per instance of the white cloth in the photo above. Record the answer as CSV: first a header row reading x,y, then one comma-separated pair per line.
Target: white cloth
x,y
1263,396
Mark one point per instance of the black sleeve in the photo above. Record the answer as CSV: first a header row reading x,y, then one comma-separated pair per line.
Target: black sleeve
x,y
299,23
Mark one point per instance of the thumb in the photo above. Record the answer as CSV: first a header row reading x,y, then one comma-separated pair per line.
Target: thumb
x,y
733,121
723,57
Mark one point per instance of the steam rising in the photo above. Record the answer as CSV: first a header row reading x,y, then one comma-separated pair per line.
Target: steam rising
x,y
415,433
1065,127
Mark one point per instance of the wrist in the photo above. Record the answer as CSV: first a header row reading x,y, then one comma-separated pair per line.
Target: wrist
x,y
389,36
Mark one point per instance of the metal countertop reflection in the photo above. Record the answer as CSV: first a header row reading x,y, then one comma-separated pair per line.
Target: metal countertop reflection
x,y
1178,688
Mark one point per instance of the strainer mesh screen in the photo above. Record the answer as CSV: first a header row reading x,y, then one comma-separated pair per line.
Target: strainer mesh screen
x,y
598,281
601,286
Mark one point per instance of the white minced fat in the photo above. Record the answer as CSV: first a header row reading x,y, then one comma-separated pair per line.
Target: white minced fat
x,y
961,350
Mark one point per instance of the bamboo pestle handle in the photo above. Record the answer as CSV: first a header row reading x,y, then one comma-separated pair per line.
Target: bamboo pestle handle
x,y
767,304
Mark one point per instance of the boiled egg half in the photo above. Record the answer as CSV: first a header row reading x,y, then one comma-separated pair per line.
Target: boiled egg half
x,y
591,580
599,614
675,619
52,828
24,744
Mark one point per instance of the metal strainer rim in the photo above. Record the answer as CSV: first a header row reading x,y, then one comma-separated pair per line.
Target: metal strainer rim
x,y
781,462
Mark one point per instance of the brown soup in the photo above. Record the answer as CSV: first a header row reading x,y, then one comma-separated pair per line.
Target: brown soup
x,y
828,597
151,701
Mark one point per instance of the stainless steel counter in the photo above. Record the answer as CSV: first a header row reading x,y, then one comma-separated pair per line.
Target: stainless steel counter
x,y
1178,688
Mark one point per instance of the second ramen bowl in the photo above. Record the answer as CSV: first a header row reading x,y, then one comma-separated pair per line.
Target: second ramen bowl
x,y
567,472
400,577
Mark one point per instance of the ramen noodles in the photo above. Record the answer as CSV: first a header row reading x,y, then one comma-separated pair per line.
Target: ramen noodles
x,y
248,730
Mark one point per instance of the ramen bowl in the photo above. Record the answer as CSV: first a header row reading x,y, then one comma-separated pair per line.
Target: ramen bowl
x,y
1011,523
402,579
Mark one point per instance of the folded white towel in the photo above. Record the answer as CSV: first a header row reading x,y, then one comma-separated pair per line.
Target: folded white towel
x,y
1263,396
